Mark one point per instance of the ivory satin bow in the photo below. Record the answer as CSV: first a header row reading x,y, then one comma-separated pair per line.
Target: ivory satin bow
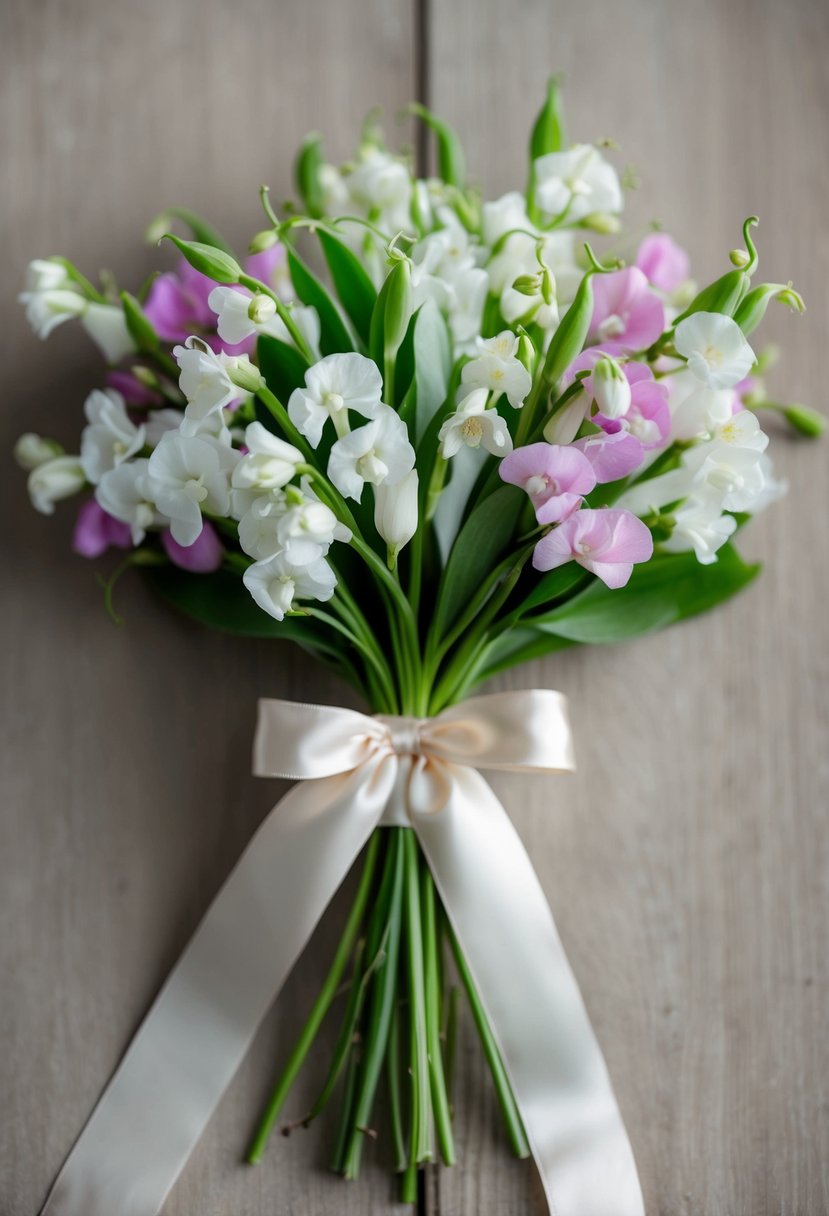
x,y
356,773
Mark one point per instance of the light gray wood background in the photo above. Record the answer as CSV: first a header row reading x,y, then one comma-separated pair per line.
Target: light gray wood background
x,y
687,863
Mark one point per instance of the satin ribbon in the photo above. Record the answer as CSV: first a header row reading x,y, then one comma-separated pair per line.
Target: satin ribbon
x,y
357,773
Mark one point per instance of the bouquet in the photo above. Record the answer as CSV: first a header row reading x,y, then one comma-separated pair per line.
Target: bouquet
x,y
425,437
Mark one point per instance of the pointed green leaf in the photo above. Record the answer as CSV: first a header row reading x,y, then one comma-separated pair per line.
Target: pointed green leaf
x,y
355,289
334,337
282,366
481,543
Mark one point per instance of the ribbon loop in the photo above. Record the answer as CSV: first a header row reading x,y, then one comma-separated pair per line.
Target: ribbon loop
x,y
356,774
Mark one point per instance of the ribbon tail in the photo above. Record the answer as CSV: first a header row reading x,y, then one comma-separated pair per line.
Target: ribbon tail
x,y
196,1034
505,928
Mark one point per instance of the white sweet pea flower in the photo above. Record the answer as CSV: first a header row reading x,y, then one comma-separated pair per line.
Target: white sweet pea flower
x,y
611,389
333,386
381,186
111,436
125,493
47,309
716,349
241,315
444,270
53,480
498,369
736,474
696,409
270,464
107,327
579,182
378,452
395,512
158,422
701,525
476,426
210,382
46,274
503,215
186,474
278,582
32,450
307,528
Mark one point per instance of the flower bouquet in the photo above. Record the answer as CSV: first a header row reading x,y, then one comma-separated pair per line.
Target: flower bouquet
x,y
425,437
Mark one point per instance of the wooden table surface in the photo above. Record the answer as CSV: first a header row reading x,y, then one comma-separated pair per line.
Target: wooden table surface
x,y
687,862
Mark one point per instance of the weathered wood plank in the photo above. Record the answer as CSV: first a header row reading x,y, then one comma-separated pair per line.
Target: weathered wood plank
x,y
687,863
127,794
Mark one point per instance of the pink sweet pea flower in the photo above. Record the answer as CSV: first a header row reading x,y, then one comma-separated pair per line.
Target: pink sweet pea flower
x,y
555,477
664,263
612,456
606,542
202,557
132,390
626,311
648,417
96,531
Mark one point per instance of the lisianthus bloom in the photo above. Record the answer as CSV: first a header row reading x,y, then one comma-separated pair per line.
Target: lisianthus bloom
x,y
556,478
202,557
96,531
716,349
626,310
664,263
608,543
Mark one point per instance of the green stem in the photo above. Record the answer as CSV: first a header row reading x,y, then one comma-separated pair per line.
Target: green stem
x,y
420,1148
506,1099
383,995
320,1007
393,1074
440,1099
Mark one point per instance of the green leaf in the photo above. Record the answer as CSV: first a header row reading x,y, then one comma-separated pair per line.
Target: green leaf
x,y
518,646
451,163
554,584
355,289
282,366
480,545
668,588
334,337
307,174
221,601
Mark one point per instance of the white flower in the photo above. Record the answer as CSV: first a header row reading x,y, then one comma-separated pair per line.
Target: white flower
x,y
241,315
53,480
277,582
206,382
45,310
716,349
504,214
159,422
730,464
444,270
46,274
498,369
111,436
378,452
32,450
579,182
695,409
271,462
700,525
336,384
186,474
395,511
381,186
107,327
476,426
125,494
611,389
290,522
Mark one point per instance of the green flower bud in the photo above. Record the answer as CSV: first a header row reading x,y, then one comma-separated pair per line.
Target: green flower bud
x,y
602,222
245,374
726,293
528,284
739,258
807,421
263,240
214,263
261,309
139,326
31,451
451,161
145,376
548,133
568,340
753,307
526,351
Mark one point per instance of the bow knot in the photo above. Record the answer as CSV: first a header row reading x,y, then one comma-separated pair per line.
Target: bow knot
x,y
404,734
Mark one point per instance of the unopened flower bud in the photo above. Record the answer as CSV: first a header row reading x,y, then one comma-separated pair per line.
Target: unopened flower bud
x,y
602,222
395,513
53,480
739,258
528,284
263,240
32,450
261,309
526,351
566,421
244,374
611,390
805,420
145,375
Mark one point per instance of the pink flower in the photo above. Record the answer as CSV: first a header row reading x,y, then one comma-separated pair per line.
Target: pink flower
x,y
96,531
606,542
612,456
131,389
202,557
626,312
664,263
555,477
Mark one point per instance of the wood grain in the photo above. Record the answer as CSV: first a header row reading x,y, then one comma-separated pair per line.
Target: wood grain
x,y
127,791
688,861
